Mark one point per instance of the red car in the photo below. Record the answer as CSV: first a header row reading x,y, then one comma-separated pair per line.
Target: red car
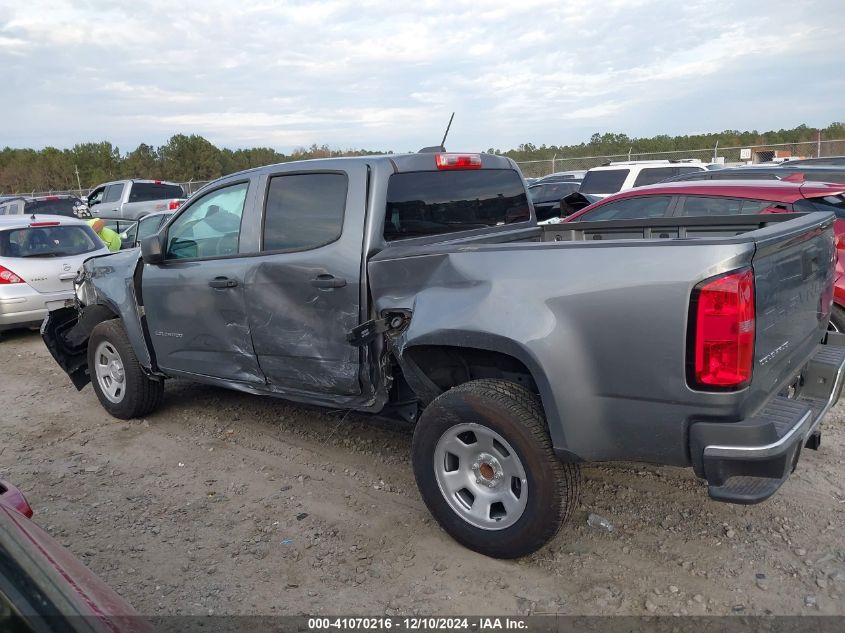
x,y
731,197
42,585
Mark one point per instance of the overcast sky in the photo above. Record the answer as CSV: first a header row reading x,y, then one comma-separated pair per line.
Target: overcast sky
x,y
385,74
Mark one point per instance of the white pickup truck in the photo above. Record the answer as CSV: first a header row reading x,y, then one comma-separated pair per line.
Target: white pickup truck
x,y
133,199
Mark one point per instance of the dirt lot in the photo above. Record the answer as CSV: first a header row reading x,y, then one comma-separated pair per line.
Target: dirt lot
x,y
228,503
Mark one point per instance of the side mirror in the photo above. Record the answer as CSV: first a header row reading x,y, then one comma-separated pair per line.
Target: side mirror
x,y
151,249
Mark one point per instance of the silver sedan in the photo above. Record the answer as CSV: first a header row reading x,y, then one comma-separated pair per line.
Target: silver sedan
x,y
39,257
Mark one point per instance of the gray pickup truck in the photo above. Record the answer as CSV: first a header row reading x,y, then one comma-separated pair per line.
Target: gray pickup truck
x,y
134,199
421,285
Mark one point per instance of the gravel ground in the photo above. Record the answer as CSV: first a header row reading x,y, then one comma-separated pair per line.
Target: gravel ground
x,y
228,503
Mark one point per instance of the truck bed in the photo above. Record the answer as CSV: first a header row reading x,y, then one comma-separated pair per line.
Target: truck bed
x,y
664,228
600,311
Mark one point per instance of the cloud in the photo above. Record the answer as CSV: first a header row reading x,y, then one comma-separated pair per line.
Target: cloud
x,y
386,74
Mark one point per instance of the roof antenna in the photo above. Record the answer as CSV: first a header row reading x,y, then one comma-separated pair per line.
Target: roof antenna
x,y
442,147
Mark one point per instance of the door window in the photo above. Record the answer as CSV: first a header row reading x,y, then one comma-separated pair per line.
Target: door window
x,y
651,175
210,227
304,211
113,193
630,209
96,196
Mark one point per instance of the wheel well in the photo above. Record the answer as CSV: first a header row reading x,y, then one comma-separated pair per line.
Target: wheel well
x,y
447,366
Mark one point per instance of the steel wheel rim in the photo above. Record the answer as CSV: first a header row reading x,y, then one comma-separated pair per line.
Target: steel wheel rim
x,y
108,365
480,476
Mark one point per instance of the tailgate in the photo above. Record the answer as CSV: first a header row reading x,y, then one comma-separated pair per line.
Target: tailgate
x,y
793,273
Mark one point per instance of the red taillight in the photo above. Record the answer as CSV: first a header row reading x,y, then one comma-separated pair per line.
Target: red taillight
x,y
722,335
31,224
156,182
8,277
174,204
458,161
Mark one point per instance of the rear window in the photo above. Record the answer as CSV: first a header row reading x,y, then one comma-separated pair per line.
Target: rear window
x,y
146,191
48,241
834,204
437,202
604,181
59,206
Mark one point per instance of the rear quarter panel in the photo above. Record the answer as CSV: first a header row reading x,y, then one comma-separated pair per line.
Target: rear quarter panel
x,y
602,326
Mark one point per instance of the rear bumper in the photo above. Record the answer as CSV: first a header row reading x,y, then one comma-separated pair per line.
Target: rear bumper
x,y
747,461
21,305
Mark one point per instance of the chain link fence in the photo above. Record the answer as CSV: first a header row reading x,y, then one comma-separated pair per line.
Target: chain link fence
x,y
727,155
539,168
190,188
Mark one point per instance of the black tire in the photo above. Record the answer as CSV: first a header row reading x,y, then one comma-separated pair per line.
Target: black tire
x,y
837,319
516,415
142,394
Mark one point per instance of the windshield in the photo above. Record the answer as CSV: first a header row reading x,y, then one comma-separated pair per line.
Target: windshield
x,y
604,181
48,241
437,202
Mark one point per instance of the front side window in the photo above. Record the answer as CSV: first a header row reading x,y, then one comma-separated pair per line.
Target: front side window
x,y
604,181
96,196
113,193
150,226
630,209
210,227
304,211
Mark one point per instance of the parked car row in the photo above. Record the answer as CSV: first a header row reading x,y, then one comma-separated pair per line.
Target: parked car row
x,y
605,180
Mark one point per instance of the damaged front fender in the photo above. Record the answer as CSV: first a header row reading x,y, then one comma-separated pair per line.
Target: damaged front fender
x,y
110,292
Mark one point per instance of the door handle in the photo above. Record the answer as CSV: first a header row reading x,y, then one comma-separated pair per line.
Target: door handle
x,y
222,282
328,281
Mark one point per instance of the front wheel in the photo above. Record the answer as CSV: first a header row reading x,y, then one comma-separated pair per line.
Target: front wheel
x,y
119,381
485,467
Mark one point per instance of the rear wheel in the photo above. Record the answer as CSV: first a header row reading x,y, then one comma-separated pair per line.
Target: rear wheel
x,y
119,381
485,467
837,320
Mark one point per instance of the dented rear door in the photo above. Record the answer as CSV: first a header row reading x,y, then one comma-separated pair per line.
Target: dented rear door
x,y
303,292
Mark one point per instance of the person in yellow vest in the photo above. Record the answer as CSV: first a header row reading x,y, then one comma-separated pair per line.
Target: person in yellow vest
x,y
110,238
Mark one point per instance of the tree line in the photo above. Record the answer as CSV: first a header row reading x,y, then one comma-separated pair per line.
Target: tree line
x,y
613,144
191,157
